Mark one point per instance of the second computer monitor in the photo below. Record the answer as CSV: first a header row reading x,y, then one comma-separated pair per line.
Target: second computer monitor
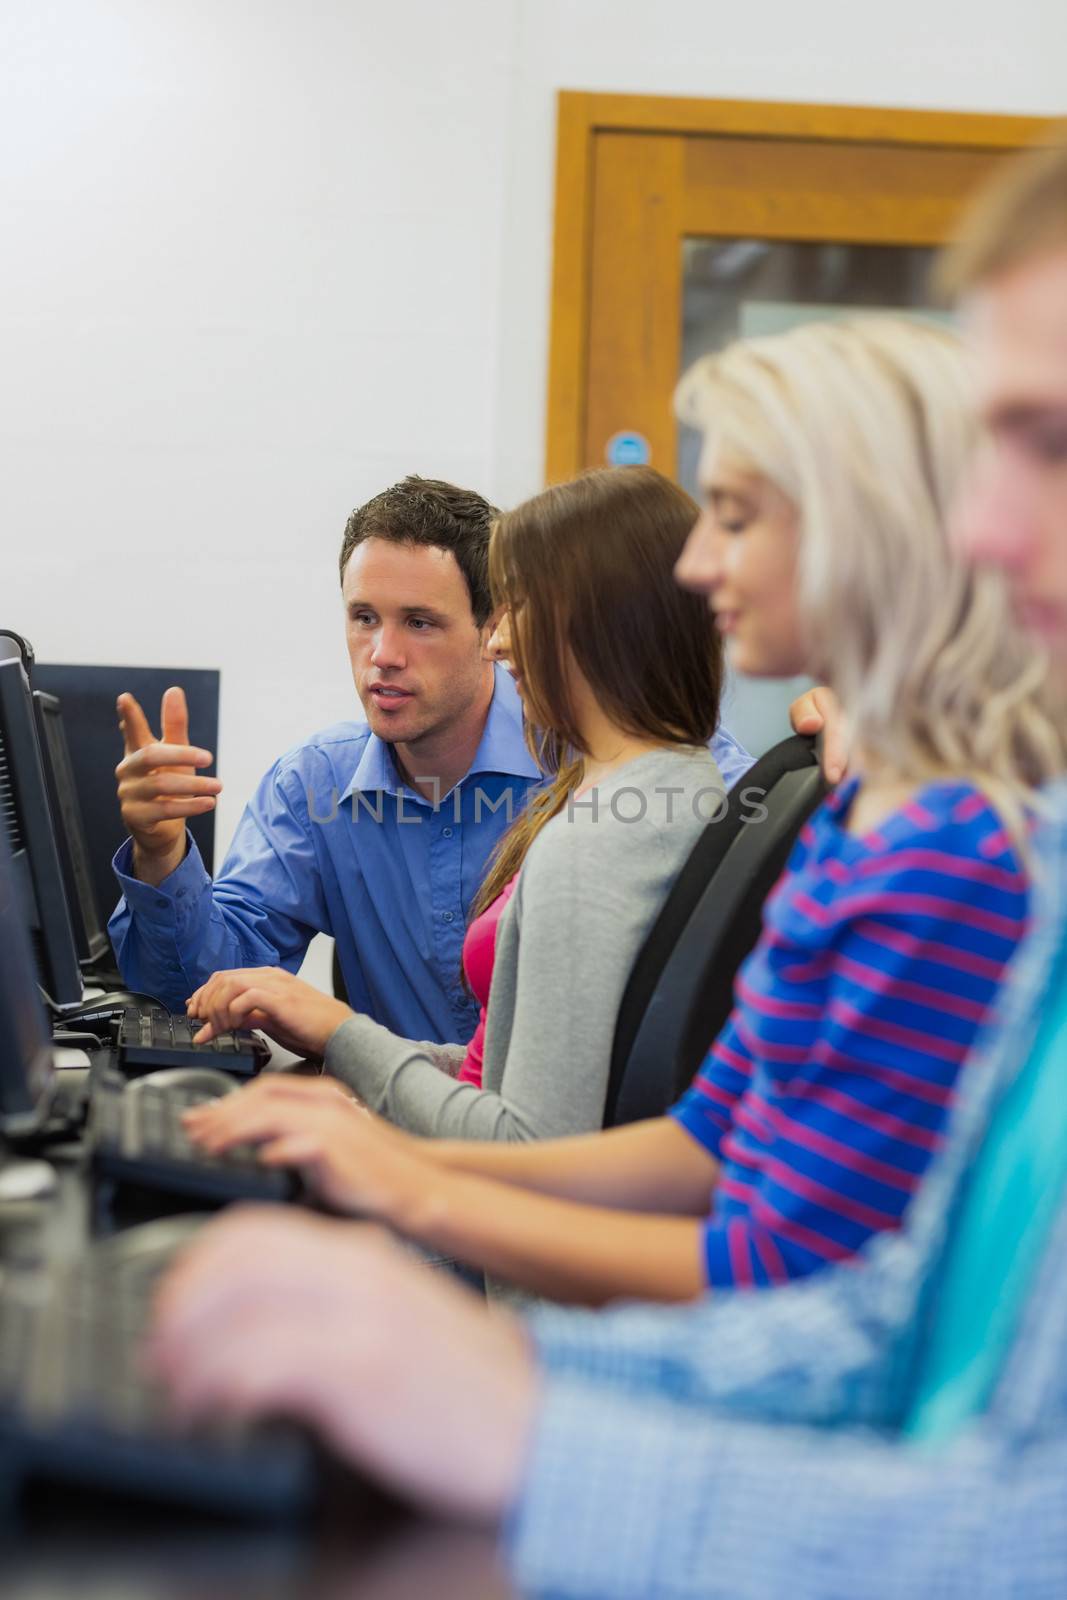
x,y
89,932
24,809
26,1069
87,694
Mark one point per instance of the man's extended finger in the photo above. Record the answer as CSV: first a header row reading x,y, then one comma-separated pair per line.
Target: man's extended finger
x,y
174,716
164,783
133,724
149,756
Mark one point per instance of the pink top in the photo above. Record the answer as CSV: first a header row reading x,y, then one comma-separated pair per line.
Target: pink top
x,y
479,953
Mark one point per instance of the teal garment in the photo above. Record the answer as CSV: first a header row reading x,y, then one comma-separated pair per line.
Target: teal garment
x,y
1001,1228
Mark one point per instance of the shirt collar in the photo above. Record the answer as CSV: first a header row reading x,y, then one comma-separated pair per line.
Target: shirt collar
x,y
502,748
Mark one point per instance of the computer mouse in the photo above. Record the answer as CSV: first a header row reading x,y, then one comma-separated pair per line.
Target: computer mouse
x,y
197,1080
114,1000
97,1016
27,1180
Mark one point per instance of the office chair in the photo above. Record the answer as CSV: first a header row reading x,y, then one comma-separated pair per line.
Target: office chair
x,y
680,991
340,988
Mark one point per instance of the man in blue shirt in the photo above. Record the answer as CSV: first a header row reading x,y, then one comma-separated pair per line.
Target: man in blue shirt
x,y
376,832
894,1428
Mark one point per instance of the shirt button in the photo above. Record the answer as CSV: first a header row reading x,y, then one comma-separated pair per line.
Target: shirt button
x,y
448,916
446,833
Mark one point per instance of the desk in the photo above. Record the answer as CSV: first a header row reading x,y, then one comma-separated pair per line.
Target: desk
x,y
61,1543
62,1557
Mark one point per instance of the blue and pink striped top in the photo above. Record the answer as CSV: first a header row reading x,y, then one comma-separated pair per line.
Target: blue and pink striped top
x,y
828,1090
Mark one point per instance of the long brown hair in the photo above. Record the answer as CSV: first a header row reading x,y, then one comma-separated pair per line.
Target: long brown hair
x,y
586,571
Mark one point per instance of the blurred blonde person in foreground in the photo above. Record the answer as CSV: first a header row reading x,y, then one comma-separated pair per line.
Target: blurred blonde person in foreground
x,y
894,1428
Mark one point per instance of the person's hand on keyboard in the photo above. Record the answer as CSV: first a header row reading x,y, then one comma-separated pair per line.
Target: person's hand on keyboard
x,y
350,1158
293,1012
275,1312
159,785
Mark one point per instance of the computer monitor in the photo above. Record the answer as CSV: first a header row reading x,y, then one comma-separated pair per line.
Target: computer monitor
x,y
87,692
27,1073
90,934
24,809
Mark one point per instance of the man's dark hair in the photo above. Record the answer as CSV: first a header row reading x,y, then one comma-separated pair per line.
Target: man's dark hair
x,y
428,511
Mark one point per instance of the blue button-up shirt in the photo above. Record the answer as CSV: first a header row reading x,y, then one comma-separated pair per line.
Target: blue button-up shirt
x,y
333,842
748,1447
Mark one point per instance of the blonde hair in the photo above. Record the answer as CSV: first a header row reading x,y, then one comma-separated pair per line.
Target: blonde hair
x,y
1020,214
866,426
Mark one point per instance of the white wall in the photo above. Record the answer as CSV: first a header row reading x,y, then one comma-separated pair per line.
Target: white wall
x,y
258,261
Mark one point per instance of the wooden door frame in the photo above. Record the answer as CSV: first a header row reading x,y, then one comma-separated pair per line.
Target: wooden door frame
x,y
581,117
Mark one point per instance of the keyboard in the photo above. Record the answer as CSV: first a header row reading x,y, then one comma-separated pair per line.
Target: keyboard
x,y
149,1037
76,1406
136,1137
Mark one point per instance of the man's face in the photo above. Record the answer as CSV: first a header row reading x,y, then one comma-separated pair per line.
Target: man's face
x,y
1013,514
418,658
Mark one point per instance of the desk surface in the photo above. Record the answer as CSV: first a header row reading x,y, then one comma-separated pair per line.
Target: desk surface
x,y
62,1557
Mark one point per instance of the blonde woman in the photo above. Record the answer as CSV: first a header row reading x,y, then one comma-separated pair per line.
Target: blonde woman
x,y
832,455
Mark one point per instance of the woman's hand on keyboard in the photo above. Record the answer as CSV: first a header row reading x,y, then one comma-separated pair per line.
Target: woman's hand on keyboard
x,y
352,1159
220,1124
293,1012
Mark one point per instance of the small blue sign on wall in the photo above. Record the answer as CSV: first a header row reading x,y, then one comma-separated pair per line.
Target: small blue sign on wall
x,y
628,449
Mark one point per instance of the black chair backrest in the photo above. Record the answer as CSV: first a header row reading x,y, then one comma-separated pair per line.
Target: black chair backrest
x,y
340,988
680,991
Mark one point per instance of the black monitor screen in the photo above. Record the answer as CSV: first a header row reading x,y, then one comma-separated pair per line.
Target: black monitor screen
x,y
92,940
26,1071
88,694
24,807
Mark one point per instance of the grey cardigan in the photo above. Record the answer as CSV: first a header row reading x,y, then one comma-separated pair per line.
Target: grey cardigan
x,y
589,890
